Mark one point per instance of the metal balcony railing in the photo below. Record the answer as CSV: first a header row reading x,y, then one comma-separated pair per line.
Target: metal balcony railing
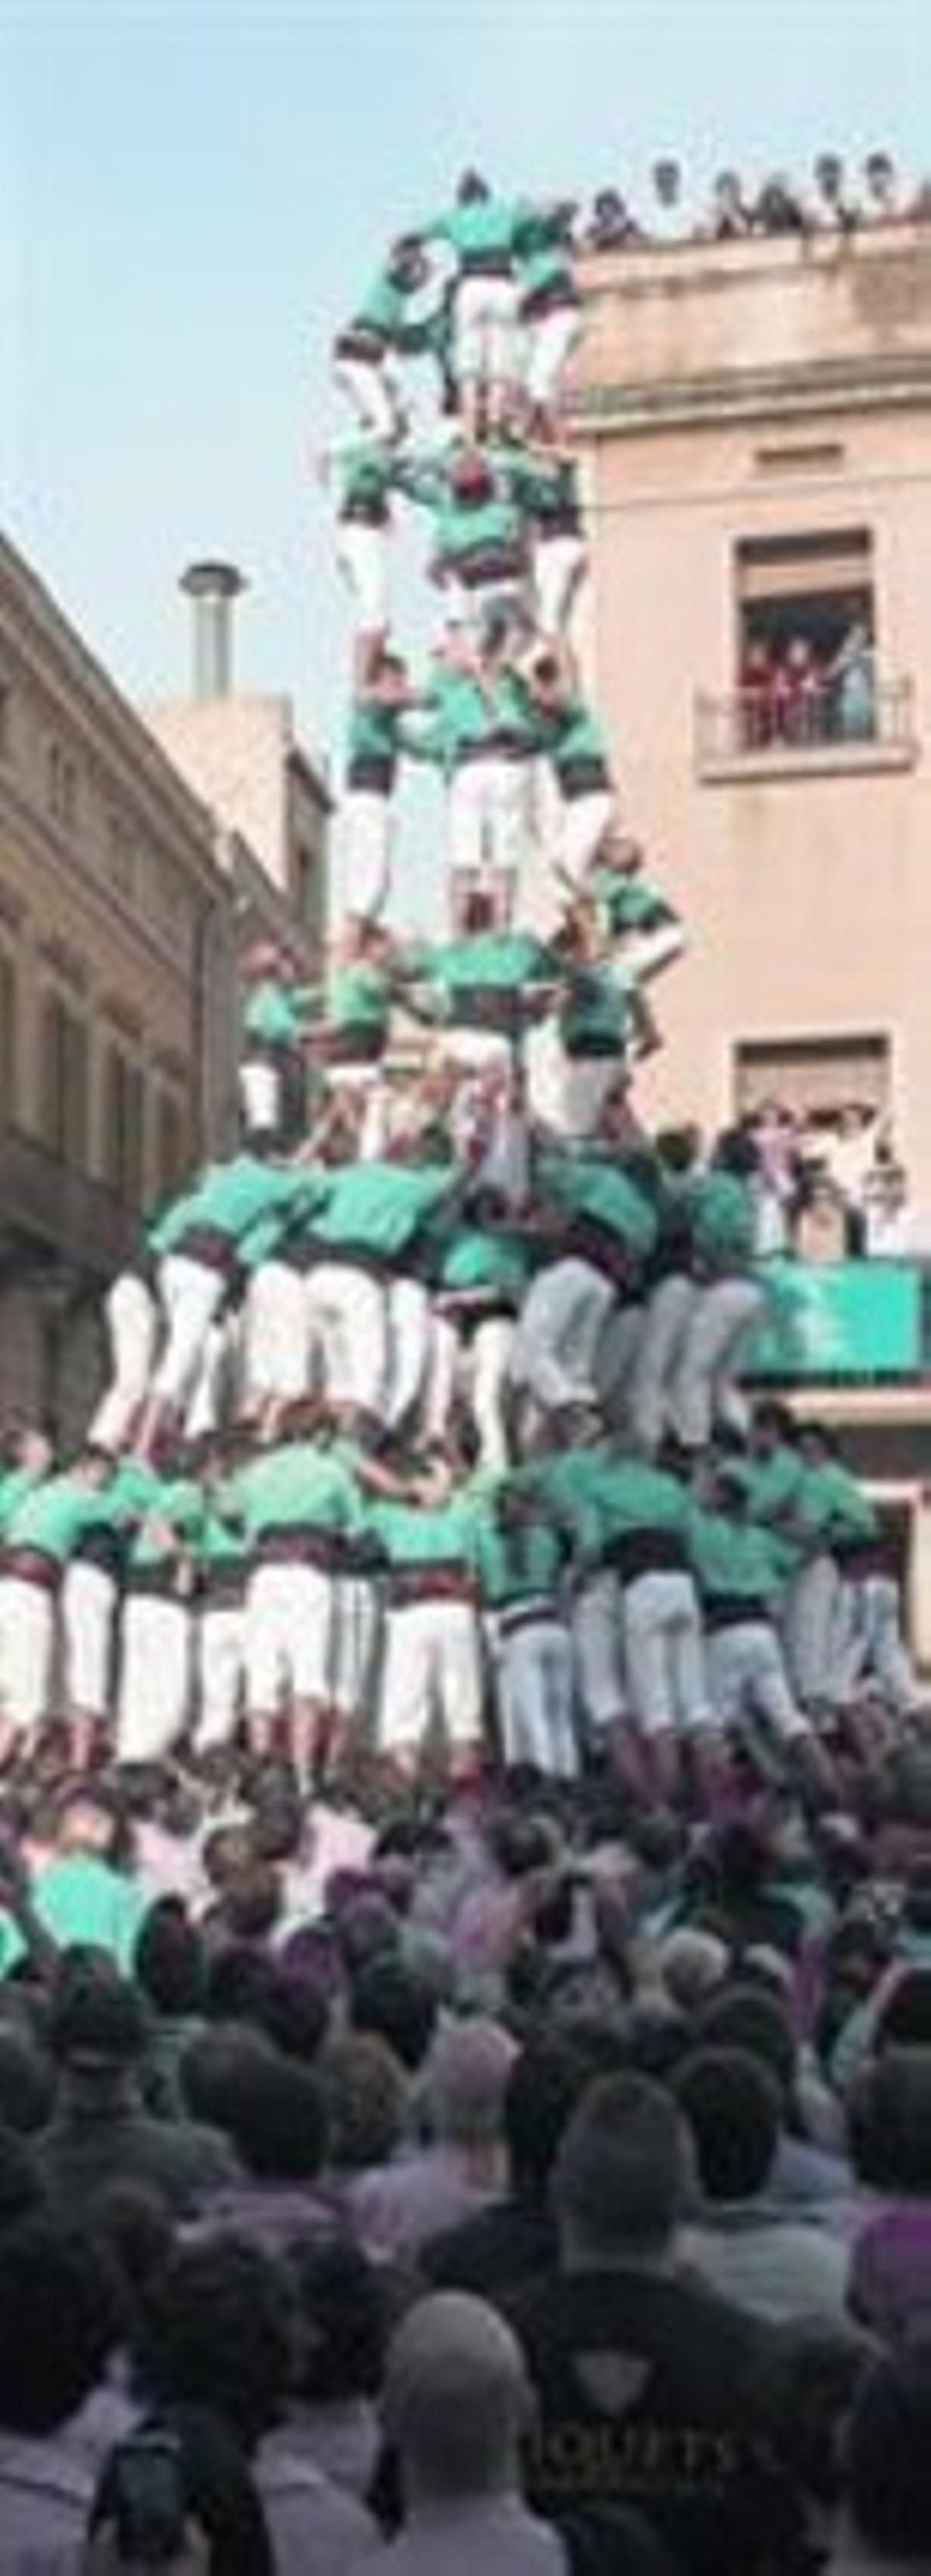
x,y
760,731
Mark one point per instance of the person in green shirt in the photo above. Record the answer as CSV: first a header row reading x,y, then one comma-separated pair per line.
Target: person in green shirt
x,y
479,728
379,728
220,1562
366,347
42,1528
432,1660
483,232
481,557
551,310
272,1088
738,1570
731,1300
575,745
298,1502
197,1248
478,1271
603,1228
369,1309
520,1560
635,917
485,986
154,1694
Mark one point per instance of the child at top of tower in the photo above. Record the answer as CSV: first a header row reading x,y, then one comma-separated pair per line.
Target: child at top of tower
x,y
367,345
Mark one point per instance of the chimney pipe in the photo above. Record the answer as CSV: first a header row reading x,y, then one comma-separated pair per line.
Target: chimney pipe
x,y
212,587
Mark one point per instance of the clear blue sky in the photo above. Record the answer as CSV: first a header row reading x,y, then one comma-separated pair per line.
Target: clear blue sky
x,y
191,192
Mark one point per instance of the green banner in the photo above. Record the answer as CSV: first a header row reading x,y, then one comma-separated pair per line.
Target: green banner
x,y
840,1319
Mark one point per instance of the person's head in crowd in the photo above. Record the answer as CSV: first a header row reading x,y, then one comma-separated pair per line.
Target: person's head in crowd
x,y
735,1152
773,1426
217,2065
457,2402
887,2483
252,1900
545,2083
881,182
61,2320
667,182
366,2095
692,1964
620,2177
746,2016
226,1853
278,1828
97,2026
905,2017
343,2321
27,2079
277,2121
390,1999
240,1984
22,2190
366,1928
889,2122
734,2111
169,1962
465,2083
222,2333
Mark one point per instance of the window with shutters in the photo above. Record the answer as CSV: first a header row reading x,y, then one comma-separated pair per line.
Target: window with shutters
x,y
65,1081
123,1126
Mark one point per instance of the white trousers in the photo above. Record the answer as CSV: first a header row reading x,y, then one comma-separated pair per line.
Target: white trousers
x,y
558,569
432,1668
585,820
486,331
277,1335
809,1627
371,386
365,834
663,1657
552,340
88,1620
260,1096
191,1294
349,1316
747,1677
535,1675
872,1647
597,1626
221,1661
646,952
27,1644
669,1313
616,1361
362,556
487,1364
155,1677
289,1634
204,1408
587,1081
487,817
354,1642
704,1389
410,1335
555,1350
132,1327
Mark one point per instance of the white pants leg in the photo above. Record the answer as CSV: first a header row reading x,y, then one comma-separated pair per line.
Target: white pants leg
x,y
354,1640
277,1335
489,1361
370,388
747,1676
616,1361
364,854
410,1327
289,1630
205,1404
221,1641
598,1628
887,1658
155,1675
486,331
668,1316
132,1326
432,1667
442,1383
556,1342
260,1096
465,819
27,1643
809,1614
362,556
191,1295
585,820
552,340
663,1653
348,1312
645,953
703,1385
559,565
587,1081
535,1681
88,1621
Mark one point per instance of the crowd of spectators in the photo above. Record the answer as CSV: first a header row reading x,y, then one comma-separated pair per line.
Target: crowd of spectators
x,y
483,2189
829,201
798,696
831,1187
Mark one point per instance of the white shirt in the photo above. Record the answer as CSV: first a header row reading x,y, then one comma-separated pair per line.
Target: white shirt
x,y
495,2536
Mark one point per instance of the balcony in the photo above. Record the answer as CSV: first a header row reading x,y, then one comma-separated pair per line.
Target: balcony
x,y
55,1219
845,1323
739,737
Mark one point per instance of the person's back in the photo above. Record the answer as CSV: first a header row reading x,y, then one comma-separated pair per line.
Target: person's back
x,y
456,2402
99,2132
649,2386
767,2261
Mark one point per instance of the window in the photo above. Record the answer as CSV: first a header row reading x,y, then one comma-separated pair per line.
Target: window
x,y
8,1039
65,1079
818,1079
121,858
170,1144
123,1126
806,638
62,787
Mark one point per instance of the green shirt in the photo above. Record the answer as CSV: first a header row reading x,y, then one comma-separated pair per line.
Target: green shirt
x,y
54,1516
572,733
82,1901
730,1556
300,1485
477,1257
830,1505
308,1188
491,961
413,1535
380,1207
543,253
600,1498
179,1502
359,997
273,1015
484,225
364,475
517,1565
596,1017
773,1486
372,731
383,307
723,1219
221,1540
603,1193
14,1486
628,902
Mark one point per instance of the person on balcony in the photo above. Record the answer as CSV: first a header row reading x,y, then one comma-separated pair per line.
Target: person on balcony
x,y
797,695
851,679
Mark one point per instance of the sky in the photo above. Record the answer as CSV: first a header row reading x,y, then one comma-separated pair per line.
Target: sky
x,y
192,193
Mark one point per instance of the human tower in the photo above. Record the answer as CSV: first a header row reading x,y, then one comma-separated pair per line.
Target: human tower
x,y
409,1433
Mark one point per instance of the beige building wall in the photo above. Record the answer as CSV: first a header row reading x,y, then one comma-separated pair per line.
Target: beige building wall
x,y
117,1006
239,754
743,392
